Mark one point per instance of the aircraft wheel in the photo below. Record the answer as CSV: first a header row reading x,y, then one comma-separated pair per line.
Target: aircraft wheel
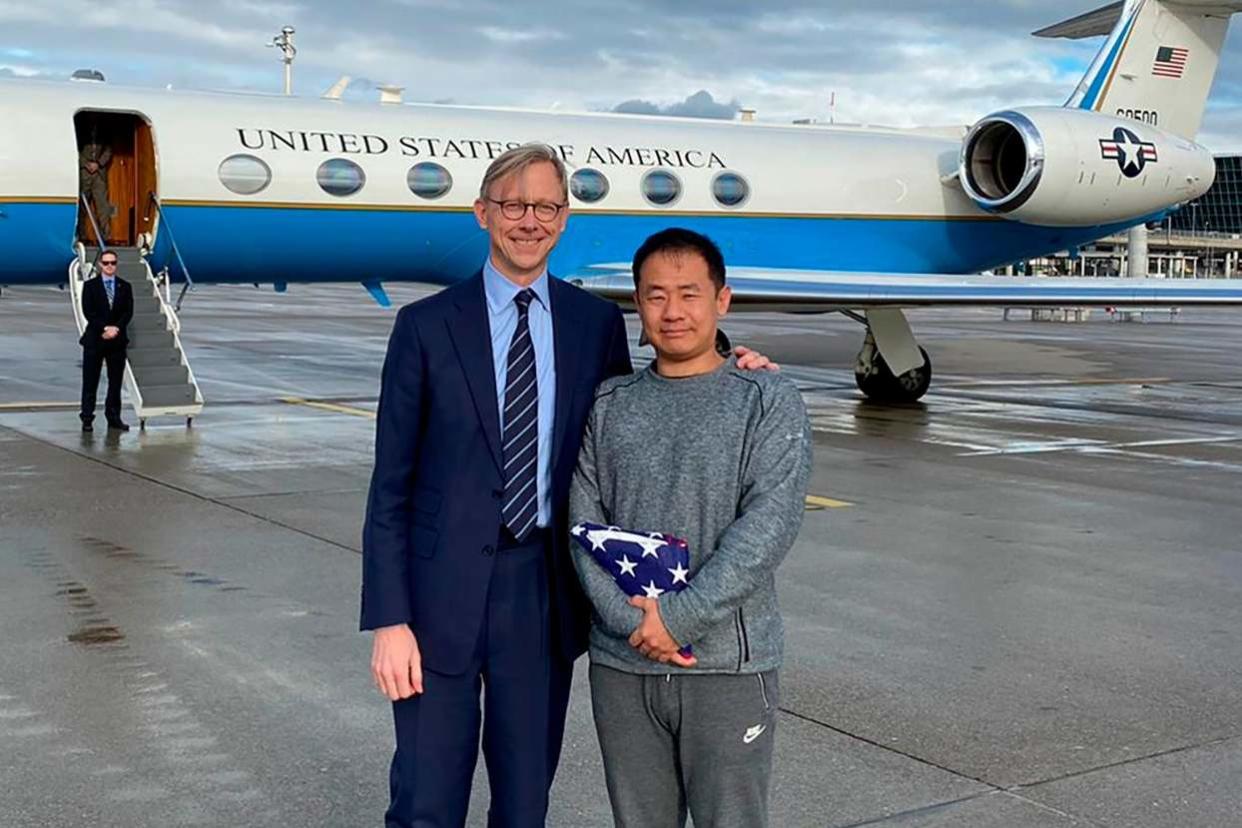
x,y
880,385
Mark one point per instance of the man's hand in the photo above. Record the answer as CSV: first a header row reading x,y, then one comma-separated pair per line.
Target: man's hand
x,y
749,360
111,332
651,637
396,664
92,167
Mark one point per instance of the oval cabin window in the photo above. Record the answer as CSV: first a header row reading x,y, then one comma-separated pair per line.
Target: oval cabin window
x,y
244,174
730,189
340,177
588,185
428,180
661,187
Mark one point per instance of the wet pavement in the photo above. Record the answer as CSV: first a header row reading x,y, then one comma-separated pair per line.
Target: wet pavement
x,y
1016,604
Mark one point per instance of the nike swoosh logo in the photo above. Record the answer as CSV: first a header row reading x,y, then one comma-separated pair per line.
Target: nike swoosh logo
x,y
754,733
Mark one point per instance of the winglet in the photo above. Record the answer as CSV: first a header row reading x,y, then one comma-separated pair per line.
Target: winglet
x,y
337,89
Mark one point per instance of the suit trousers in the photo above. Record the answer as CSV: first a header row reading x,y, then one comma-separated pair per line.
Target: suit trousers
x,y
524,682
93,360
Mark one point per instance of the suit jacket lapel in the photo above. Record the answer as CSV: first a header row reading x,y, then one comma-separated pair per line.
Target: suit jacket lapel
x,y
565,338
471,335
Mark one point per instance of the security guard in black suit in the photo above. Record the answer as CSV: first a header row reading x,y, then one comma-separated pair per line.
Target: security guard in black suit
x,y
108,304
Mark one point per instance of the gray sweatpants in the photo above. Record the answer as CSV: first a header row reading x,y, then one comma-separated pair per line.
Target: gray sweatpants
x,y
682,741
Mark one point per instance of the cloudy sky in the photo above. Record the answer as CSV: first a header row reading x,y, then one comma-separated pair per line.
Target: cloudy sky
x,y
900,62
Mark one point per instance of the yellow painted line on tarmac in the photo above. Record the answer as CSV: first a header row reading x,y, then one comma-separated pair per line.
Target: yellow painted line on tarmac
x,y
35,405
815,503
334,407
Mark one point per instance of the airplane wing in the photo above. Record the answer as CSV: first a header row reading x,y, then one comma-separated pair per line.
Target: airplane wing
x,y
820,291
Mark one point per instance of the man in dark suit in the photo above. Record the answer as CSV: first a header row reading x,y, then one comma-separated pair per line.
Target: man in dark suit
x,y
467,580
108,305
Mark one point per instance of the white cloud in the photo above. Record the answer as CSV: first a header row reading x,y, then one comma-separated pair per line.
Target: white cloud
x,y
17,70
498,35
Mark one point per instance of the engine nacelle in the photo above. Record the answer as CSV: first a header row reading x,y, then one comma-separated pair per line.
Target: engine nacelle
x,y
1061,167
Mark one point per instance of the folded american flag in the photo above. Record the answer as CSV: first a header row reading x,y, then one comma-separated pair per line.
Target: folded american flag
x,y
641,563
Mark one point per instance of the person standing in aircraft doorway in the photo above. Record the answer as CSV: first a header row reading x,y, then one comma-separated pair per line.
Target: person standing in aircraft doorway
x,y
467,581
93,161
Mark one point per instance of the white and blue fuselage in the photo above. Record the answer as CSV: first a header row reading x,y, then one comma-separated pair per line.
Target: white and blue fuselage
x,y
812,197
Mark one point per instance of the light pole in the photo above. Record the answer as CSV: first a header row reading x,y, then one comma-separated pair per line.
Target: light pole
x,y
284,42
1207,242
1194,232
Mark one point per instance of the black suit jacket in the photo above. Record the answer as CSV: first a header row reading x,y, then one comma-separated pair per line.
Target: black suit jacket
x,y
99,315
433,512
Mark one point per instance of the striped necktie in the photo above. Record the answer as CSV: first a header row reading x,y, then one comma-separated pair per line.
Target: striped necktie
x,y
521,431
110,289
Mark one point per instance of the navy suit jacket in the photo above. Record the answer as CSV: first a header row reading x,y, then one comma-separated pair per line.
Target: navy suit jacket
x,y
99,314
433,514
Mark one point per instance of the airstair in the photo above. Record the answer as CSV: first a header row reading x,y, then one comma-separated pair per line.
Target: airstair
x,y
157,373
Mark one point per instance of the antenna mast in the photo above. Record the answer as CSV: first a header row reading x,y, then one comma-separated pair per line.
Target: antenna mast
x,y
284,42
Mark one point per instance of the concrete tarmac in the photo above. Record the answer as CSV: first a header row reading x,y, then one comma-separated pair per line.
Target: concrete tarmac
x,y
1015,604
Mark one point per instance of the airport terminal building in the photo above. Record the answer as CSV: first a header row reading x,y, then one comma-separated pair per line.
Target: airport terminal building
x,y
1219,210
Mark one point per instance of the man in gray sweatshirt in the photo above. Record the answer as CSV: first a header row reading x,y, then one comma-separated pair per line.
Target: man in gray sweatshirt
x,y
695,448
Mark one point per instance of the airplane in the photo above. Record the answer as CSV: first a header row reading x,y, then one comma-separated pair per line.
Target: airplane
x,y
249,188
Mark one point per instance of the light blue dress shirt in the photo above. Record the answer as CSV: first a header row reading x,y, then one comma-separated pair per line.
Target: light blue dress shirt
x,y
502,316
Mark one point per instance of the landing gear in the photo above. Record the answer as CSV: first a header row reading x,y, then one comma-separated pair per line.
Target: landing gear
x,y
876,380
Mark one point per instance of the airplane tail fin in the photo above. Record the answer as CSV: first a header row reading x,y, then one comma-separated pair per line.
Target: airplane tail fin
x,y
1157,63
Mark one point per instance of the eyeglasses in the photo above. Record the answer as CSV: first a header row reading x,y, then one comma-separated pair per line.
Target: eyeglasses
x,y
107,264
544,210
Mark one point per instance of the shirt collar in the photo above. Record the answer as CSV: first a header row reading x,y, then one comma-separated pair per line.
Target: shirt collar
x,y
500,291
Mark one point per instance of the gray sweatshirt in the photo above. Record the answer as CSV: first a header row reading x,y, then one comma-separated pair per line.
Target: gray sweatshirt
x,y
720,460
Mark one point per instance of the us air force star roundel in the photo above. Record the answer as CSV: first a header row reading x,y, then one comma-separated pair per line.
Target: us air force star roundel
x,y
1132,154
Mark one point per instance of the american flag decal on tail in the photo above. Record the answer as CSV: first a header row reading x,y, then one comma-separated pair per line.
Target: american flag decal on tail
x,y
1170,61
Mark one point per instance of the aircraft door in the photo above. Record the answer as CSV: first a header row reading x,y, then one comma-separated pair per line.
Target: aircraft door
x,y
116,175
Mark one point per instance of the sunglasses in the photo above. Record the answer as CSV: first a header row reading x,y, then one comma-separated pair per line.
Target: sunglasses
x,y
107,264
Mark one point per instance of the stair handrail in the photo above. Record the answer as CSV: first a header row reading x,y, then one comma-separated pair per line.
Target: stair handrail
x,y
103,243
172,237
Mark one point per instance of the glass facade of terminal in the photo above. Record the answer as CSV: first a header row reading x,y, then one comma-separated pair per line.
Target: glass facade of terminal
x,y
1219,210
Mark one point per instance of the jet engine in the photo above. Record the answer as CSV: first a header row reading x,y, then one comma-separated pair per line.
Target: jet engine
x,y
1062,167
